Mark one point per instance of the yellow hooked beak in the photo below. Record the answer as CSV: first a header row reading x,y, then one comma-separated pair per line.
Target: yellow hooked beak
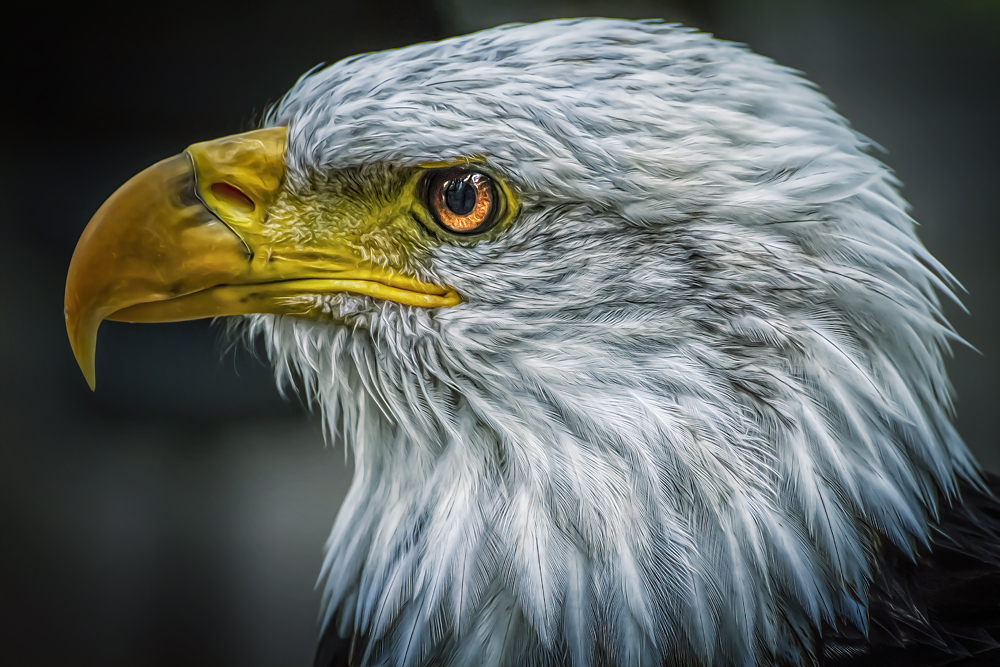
x,y
188,238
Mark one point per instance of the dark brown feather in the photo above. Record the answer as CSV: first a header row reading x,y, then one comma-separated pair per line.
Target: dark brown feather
x,y
942,609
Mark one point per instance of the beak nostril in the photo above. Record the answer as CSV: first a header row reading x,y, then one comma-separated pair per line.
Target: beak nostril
x,y
233,195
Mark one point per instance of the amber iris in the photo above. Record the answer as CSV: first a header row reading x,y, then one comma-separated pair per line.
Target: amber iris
x,y
463,202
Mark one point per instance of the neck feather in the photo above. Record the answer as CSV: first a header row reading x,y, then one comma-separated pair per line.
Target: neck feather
x,y
689,506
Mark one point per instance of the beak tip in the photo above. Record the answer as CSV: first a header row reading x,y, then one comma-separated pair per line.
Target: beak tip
x,y
83,340
88,368
90,376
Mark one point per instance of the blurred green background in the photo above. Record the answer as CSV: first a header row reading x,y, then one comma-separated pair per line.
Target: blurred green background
x,y
178,514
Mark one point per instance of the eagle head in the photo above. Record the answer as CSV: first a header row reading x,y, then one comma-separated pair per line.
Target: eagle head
x,y
632,340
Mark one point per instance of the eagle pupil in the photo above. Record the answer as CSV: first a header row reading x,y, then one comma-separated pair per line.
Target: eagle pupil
x,y
460,196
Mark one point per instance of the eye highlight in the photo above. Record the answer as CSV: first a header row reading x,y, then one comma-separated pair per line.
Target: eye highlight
x,y
462,201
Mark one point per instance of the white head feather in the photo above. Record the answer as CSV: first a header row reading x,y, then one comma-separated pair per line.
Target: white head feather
x,y
689,390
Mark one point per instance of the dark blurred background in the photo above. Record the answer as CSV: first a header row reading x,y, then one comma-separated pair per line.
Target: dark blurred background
x,y
178,514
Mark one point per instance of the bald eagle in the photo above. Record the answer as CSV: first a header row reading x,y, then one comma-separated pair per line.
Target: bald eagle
x,y
632,340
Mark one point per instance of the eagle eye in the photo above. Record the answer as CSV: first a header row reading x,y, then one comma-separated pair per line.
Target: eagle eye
x,y
462,201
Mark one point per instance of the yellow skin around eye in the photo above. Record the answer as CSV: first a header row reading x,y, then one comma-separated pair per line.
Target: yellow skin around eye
x,y
475,218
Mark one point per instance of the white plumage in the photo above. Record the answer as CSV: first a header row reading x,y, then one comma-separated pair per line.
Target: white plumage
x,y
691,390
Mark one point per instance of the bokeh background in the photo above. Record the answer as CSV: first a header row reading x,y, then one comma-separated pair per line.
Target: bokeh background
x,y
178,514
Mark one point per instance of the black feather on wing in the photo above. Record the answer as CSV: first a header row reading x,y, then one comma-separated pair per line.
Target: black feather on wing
x,y
943,609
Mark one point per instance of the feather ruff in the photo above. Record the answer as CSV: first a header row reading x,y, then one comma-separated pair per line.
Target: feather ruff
x,y
689,391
